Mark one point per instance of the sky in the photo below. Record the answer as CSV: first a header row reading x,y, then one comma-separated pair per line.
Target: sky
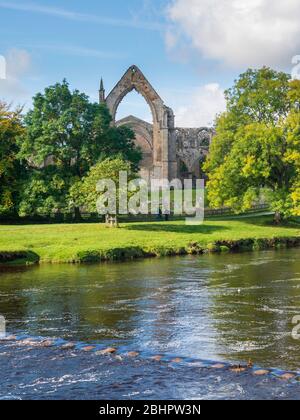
x,y
189,50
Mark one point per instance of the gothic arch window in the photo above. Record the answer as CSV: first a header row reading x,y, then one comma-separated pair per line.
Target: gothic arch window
x,y
133,79
134,104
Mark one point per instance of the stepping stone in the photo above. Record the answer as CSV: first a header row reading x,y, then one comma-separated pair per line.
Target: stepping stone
x,y
176,360
133,354
8,338
110,350
29,343
261,372
32,343
68,346
218,366
156,358
287,376
88,348
46,343
238,369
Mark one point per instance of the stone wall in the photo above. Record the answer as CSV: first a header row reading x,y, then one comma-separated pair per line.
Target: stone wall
x,y
191,144
192,147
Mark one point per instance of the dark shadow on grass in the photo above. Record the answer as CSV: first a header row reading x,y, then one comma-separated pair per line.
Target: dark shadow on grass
x,y
176,228
268,221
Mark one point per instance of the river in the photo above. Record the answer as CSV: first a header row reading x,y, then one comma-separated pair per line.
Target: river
x,y
228,308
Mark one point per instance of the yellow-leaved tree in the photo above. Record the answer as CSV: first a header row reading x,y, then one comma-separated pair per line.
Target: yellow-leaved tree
x,y
256,150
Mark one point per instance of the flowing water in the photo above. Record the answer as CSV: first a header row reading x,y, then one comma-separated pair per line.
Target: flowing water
x,y
227,308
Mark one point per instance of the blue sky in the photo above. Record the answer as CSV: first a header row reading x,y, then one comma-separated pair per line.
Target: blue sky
x,y
174,42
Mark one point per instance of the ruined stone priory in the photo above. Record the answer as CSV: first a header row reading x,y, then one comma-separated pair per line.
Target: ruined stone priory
x,y
168,151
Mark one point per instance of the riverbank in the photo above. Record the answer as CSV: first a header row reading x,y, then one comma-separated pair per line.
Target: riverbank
x,y
86,243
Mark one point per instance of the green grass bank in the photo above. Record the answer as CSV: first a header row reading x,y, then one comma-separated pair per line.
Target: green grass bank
x,y
86,243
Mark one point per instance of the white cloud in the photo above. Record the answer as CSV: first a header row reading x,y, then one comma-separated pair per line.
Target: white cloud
x,y
204,105
18,64
239,33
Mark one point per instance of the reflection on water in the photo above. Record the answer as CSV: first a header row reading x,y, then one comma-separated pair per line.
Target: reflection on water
x,y
230,307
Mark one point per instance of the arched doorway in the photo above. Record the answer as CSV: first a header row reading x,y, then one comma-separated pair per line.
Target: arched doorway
x,y
144,140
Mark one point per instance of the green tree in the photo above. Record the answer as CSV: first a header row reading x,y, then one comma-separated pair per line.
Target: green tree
x,y
256,149
44,191
11,170
85,193
65,136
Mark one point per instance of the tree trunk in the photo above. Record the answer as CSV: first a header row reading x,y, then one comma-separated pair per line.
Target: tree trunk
x,y
277,218
77,214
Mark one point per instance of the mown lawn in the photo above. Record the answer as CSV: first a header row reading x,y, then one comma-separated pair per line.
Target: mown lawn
x,y
69,243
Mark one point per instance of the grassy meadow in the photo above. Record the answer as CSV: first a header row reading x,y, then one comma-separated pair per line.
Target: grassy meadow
x,y
95,242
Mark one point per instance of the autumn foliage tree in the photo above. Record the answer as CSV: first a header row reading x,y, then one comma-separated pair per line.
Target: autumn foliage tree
x,y
10,167
256,150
